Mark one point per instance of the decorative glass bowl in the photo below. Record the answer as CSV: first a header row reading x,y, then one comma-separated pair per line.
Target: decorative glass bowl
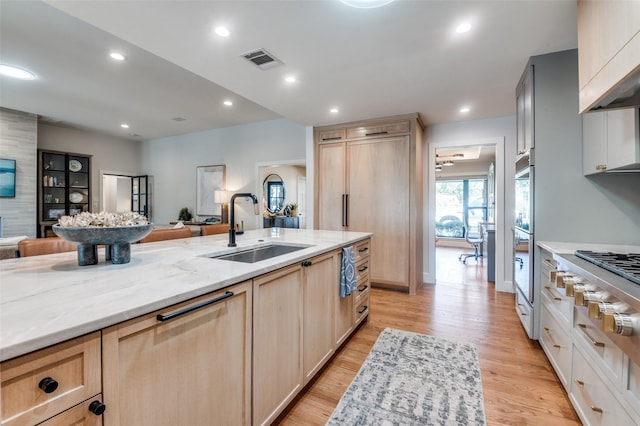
x,y
116,239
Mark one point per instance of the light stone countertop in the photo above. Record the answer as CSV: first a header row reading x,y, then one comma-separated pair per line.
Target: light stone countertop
x,y
569,248
48,299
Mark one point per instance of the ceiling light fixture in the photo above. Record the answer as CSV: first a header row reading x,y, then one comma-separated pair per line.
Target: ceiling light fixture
x,y
334,110
117,56
463,27
458,155
465,110
366,4
438,167
15,72
124,126
447,163
290,79
222,31
228,103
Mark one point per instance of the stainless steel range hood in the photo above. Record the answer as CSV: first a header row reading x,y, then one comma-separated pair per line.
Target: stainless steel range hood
x,y
624,95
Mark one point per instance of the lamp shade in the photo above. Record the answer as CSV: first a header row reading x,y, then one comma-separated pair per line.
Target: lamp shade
x,y
221,197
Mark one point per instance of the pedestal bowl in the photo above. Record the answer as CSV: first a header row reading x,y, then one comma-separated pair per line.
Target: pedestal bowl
x,y
116,239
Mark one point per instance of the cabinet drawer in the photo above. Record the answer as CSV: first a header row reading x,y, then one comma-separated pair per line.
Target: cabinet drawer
x,y
525,313
73,370
593,400
631,389
606,356
362,250
362,290
559,305
391,128
362,270
332,135
556,342
361,310
78,415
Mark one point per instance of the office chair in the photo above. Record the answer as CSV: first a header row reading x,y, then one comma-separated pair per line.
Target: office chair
x,y
474,241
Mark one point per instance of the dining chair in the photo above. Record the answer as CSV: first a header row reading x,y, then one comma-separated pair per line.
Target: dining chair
x,y
218,228
39,246
167,234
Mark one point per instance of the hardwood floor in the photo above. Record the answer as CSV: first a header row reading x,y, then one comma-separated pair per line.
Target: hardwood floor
x,y
519,385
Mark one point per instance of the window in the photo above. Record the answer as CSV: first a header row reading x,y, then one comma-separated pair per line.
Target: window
x,y
457,200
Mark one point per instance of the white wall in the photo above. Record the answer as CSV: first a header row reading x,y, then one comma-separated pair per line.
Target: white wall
x,y
18,141
468,133
172,162
110,154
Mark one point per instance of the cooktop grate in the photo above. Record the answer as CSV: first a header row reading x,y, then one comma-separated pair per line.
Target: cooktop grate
x,y
625,265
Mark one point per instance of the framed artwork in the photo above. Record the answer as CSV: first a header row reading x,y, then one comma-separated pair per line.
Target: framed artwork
x,y
7,178
208,180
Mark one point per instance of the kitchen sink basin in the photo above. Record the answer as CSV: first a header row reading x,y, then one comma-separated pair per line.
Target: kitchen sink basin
x,y
259,253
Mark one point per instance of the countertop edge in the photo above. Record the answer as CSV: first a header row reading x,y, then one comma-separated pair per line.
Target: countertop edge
x,y
28,345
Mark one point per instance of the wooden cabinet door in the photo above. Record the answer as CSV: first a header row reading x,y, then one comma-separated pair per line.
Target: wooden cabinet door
x,y
277,342
321,285
594,143
332,167
379,191
80,415
622,138
193,369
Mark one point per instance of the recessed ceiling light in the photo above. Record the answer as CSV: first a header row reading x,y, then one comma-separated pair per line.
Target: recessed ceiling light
x,y
222,31
366,4
334,110
290,79
447,163
117,56
465,109
228,103
463,27
15,72
124,126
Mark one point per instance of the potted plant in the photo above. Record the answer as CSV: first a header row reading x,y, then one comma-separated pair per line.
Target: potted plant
x,y
293,208
184,214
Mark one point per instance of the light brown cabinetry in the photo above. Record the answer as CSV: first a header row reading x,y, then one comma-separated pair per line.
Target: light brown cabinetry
x,y
372,182
277,342
187,364
610,140
608,46
81,415
40,385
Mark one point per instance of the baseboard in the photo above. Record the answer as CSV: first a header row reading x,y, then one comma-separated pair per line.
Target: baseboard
x,y
428,278
506,287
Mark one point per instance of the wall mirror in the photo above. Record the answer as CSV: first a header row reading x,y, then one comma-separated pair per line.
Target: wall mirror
x,y
273,190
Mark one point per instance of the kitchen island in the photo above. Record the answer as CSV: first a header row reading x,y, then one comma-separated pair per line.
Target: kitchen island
x,y
49,299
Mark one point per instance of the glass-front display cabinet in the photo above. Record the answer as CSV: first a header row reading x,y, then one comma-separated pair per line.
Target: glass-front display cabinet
x,y
64,187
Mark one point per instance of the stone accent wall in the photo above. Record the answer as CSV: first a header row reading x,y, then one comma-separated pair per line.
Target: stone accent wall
x,y
18,141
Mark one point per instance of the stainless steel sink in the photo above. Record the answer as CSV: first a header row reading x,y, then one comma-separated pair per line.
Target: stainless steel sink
x,y
259,253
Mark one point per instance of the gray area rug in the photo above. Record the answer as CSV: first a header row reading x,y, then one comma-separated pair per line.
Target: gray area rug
x,y
414,379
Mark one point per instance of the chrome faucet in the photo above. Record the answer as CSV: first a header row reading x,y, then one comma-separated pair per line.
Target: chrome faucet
x,y
232,229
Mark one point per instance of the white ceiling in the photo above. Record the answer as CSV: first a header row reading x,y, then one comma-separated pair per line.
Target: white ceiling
x,y
401,58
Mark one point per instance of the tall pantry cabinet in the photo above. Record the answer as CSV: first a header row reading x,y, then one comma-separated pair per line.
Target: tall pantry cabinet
x,y
369,178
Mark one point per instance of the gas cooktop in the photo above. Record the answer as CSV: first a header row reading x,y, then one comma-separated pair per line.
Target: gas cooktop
x,y
626,265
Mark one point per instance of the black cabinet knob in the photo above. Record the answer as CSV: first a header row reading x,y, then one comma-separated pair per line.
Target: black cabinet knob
x,y
48,385
97,407
307,263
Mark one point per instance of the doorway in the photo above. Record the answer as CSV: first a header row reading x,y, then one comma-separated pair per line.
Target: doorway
x,y
488,174
293,175
120,193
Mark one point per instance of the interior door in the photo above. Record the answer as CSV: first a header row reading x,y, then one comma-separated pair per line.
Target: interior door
x,y
378,186
140,195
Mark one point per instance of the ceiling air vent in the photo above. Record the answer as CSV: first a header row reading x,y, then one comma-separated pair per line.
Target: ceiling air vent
x,y
262,59
178,119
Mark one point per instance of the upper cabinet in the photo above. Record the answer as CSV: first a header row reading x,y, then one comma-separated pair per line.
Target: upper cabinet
x,y
524,117
65,187
611,141
608,47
